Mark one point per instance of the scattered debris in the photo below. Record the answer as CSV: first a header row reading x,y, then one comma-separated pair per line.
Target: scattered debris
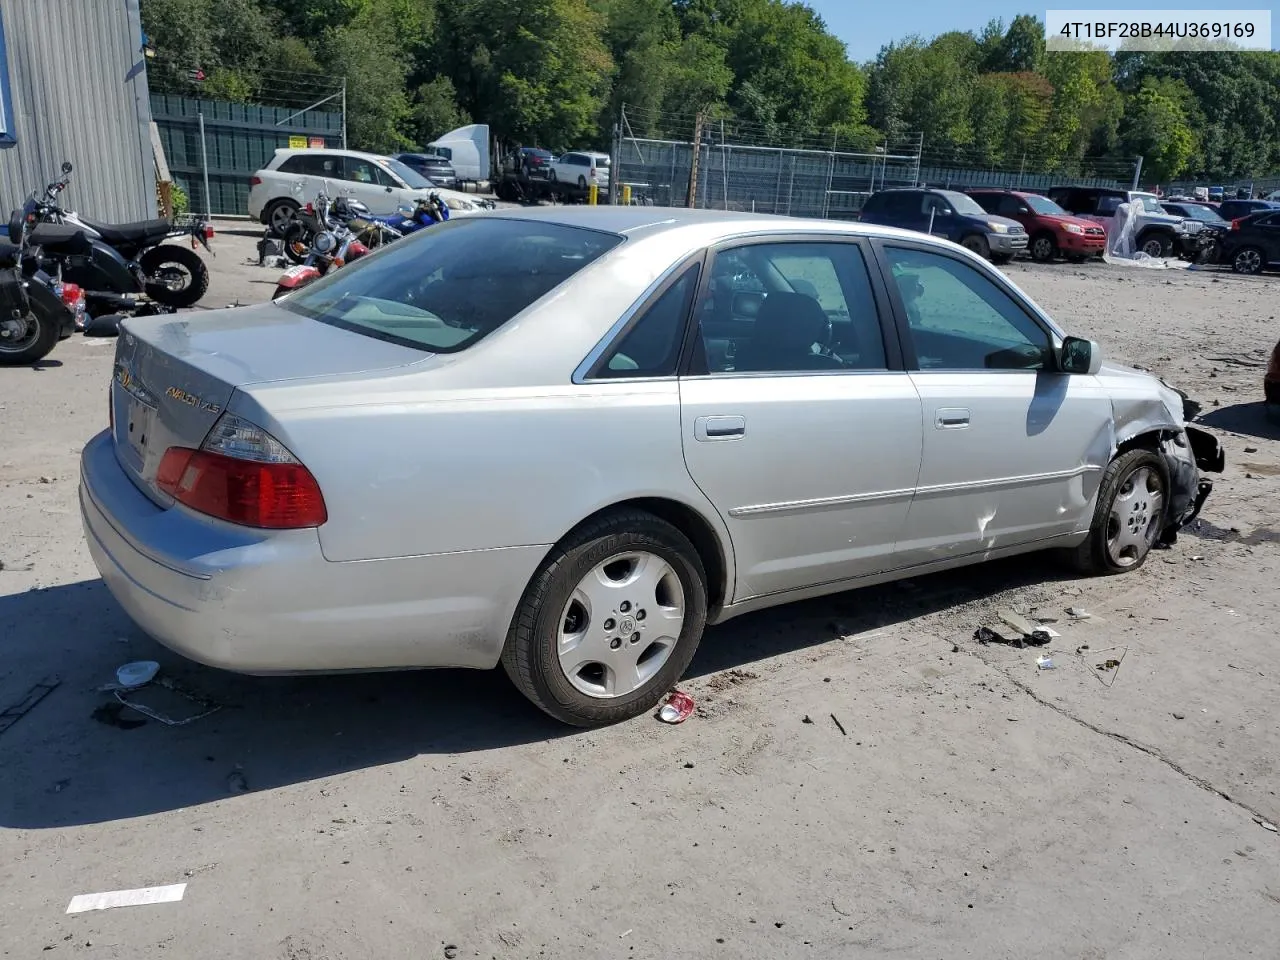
x,y
112,714
678,708
181,700
11,715
985,635
1109,665
1078,613
1046,663
1082,648
839,725
955,648
17,568
450,951
126,898
625,934
1179,716
729,679
807,719
1265,824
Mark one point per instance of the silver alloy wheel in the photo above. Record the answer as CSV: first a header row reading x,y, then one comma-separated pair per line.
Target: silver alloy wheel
x,y
173,276
1248,261
1135,518
621,624
1042,248
282,215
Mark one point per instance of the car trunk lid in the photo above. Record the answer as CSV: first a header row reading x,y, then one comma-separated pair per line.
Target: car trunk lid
x,y
174,376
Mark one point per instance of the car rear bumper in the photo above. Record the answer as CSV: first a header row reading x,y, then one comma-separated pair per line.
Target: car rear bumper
x,y
269,602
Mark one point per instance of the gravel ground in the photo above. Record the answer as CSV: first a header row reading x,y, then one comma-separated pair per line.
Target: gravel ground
x,y
972,804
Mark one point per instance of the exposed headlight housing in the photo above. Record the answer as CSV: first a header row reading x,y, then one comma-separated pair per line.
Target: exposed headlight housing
x,y
997,227
460,205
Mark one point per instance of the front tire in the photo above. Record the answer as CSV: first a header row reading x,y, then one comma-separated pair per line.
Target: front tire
x,y
1043,248
39,338
1247,260
610,621
1157,245
181,277
1128,517
977,244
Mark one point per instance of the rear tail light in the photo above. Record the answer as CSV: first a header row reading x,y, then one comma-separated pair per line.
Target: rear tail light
x,y
71,294
255,181
245,476
208,231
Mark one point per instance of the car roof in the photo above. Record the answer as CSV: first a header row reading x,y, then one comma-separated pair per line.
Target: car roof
x,y
709,226
291,151
432,157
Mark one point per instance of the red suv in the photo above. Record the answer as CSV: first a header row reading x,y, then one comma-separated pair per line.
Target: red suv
x,y
1053,231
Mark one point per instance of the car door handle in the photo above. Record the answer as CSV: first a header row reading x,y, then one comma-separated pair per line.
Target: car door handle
x,y
707,429
951,418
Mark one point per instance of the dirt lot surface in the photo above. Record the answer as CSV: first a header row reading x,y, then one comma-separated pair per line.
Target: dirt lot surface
x,y
862,779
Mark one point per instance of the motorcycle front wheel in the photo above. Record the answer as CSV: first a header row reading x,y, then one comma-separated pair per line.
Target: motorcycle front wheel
x,y
297,242
176,276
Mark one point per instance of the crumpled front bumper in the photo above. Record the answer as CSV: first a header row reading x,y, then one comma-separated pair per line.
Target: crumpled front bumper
x,y
1189,456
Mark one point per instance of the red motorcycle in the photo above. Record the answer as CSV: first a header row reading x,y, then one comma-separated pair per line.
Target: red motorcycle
x,y
332,246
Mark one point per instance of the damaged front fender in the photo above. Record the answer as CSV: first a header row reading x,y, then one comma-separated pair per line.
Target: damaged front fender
x,y
1186,453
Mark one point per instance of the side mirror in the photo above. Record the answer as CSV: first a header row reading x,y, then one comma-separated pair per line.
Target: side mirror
x,y
1080,356
66,166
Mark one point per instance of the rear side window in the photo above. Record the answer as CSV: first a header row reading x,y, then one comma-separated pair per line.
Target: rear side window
x,y
651,347
313,165
899,203
987,201
443,289
1010,206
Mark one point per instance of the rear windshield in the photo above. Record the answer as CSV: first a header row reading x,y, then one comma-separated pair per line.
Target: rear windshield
x,y
444,288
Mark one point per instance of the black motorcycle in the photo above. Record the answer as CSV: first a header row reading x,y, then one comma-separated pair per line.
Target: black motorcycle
x,y
170,275
37,310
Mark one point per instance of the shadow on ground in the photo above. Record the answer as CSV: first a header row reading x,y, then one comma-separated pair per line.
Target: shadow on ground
x,y
62,767
1249,419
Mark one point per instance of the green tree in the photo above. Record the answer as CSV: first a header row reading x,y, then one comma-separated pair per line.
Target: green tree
x,y
367,52
434,111
1155,127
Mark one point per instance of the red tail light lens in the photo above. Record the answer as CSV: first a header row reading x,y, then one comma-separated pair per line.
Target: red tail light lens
x,y
71,294
255,181
243,475
208,231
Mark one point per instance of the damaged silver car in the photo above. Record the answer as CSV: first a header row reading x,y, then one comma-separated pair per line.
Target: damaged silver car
x,y
567,440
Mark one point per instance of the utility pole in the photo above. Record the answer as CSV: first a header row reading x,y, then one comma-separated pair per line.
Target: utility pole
x,y
1137,174
344,113
691,195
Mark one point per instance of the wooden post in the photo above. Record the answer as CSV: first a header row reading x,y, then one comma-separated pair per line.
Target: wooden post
x,y
691,195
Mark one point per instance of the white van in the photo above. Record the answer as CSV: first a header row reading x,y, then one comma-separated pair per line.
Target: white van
x,y
467,148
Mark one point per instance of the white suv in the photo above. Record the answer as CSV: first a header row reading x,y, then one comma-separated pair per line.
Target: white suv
x,y
294,177
581,168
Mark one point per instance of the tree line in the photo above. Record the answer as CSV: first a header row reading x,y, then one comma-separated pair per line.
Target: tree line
x,y
556,72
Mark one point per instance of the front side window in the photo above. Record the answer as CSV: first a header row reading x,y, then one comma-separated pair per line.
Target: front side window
x,y
959,318
359,170
1010,206
443,289
790,308
651,348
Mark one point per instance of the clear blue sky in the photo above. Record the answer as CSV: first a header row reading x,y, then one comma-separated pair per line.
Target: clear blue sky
x,y
867,25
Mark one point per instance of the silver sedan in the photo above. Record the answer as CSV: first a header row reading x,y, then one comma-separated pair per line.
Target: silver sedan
x,y
567,440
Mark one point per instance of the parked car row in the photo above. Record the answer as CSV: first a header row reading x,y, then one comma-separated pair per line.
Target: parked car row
x,y
1072,222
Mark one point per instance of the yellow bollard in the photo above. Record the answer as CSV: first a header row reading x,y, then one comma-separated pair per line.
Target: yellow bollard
x,y
626,194
593,194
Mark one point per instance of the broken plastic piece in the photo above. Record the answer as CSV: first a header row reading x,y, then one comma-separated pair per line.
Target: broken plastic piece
x,y
137,674
1109,665
678,708
204,705
1046,663
1078,613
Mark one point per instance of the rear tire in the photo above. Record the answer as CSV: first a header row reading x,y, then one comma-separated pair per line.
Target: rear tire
x,y
1129,515
556,618
977,244
279,215
1248,260
175,261
35,345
